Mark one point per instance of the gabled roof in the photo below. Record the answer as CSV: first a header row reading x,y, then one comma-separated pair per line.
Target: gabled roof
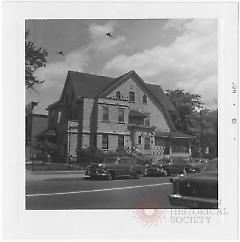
x,y
89,85
94,86
158,92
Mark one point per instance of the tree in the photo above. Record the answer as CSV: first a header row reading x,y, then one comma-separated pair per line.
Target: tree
x,y
35,58
191,118
186,105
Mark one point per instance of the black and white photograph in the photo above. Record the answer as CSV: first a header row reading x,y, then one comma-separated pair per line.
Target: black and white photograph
x,y
121,113
120,120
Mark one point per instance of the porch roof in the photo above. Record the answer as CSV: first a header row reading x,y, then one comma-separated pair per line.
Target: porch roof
x,y
175,134
135,113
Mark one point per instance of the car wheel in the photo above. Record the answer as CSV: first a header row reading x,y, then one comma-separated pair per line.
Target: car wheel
x,y
136,175
109,176
165,173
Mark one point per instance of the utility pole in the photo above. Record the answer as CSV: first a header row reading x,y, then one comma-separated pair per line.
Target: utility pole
x,y
201,132
69,145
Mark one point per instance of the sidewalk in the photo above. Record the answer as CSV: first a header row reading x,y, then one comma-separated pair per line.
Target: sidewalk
x,y
53,175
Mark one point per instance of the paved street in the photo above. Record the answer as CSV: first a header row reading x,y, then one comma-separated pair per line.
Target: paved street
x,y
74,191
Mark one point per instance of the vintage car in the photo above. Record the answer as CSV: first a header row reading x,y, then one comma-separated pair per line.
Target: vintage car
x,y
113,167
169,167
199,190
156,169
198,163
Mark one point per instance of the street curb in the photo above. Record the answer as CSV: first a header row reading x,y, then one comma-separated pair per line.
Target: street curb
x,y
54,172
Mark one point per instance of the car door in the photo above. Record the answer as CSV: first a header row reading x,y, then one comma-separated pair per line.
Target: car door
x,y
125,166
120,167
177,168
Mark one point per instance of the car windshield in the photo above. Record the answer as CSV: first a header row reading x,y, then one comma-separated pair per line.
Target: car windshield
x,y
110,159
211,166
163,162
180,161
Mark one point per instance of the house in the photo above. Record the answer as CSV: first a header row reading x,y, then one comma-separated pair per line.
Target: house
x,y
115,113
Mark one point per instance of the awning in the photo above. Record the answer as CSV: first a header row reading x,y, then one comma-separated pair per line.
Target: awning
x,y
176,135
47,133
135,113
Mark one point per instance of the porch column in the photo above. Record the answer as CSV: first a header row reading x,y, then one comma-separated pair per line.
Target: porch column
x,y
189,148
170,146
132,138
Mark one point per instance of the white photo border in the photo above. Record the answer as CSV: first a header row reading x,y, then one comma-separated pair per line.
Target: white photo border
x,y
112,224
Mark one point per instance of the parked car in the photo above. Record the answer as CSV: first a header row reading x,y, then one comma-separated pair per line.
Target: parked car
x,y
175,166
198,190
113,167
198,163
156,170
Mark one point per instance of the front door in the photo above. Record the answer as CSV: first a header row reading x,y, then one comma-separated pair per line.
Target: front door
x,y
147,143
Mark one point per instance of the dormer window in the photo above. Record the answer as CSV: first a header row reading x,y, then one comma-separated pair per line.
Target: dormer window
x,y
131,96
118,95
144,99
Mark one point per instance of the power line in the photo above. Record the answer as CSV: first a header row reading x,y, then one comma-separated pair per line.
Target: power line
x,y
111,36
103,35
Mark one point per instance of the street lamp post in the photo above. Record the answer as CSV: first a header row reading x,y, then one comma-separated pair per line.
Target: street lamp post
x,y
69,146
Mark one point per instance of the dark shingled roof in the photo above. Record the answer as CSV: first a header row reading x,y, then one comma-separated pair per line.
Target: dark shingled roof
x,y
159,94
89,85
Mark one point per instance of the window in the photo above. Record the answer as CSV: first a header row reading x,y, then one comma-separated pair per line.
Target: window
x,y
105,141
139,140
147,121
144,99
147,143
179,147
125,162
105,114
118,95
121,115
120,141
131,96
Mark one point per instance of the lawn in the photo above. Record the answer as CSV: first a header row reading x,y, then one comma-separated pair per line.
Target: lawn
x,y
39,166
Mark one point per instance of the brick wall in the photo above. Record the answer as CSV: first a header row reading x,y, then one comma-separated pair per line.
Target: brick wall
x,y
113,125
156,115
87,114
85,140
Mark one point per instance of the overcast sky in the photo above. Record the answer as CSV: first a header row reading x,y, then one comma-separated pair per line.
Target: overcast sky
x,y
172,53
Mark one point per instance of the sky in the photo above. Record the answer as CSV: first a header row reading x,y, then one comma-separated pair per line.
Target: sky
x,y
173,53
